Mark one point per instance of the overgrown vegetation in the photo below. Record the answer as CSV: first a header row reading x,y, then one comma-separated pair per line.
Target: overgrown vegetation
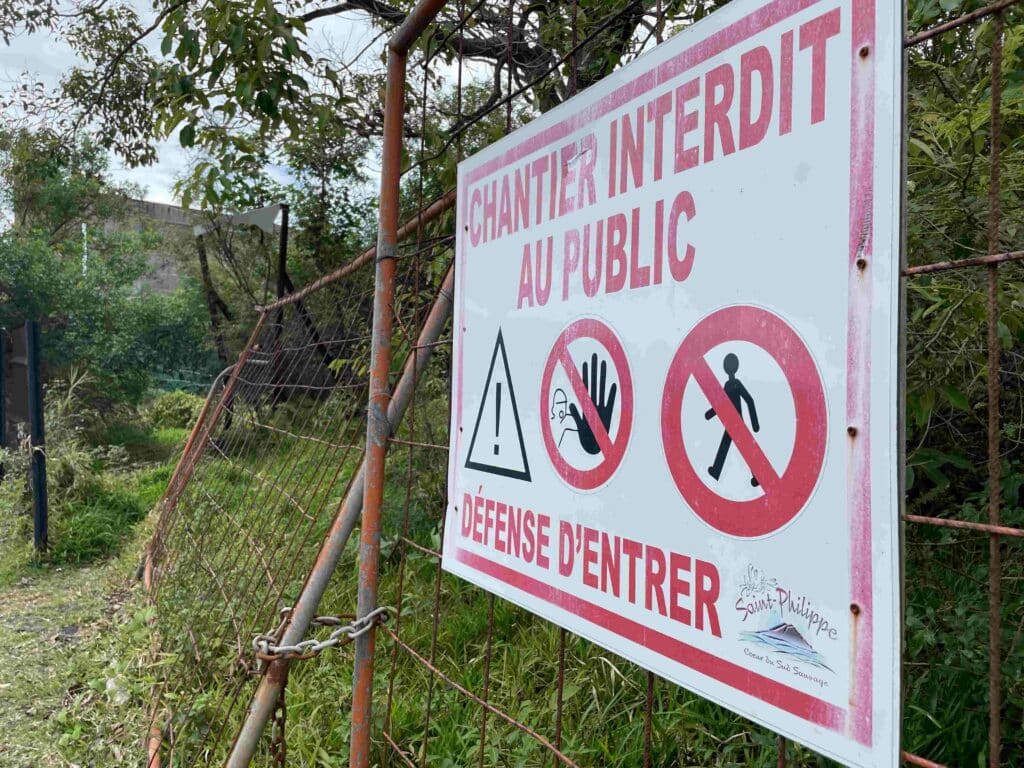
x,y
104,476
76,628
72,262
75,685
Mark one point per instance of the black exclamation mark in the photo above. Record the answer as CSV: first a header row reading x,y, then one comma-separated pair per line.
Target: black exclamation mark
x,y
497,415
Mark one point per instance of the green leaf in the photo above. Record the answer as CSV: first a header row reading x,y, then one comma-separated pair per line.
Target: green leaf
x,y
216,68
187,136
914,142
236,38
957,398
266,103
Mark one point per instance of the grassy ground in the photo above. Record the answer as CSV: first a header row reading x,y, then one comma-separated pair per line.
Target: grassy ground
x,y
75,687
73,624
67,695
944,715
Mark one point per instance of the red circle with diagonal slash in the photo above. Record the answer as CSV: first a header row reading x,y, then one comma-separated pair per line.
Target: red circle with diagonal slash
x,y
785,494
612,451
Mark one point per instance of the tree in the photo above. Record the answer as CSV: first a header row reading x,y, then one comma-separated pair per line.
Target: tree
x,y
241,80
94,317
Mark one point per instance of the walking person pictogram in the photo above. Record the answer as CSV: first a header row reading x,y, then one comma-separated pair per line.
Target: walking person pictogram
x,y
737,394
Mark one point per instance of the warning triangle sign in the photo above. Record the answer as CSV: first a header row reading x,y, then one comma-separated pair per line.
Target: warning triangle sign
x,y
497,446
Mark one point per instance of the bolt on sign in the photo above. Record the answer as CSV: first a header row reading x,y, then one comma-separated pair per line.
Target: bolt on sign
x,y
675,367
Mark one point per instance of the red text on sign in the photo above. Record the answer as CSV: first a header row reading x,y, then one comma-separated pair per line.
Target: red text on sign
x,y
733,106
507,528
677,586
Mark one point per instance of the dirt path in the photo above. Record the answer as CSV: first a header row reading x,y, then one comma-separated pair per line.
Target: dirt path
x,y
62,682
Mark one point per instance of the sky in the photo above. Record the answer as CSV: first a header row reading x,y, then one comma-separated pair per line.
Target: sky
x,y
42,57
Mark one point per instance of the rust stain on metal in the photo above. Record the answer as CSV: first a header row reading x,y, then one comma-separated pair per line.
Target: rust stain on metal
x,y
377,428
974,261
959,21
1001,530
995,466
913,759
855,613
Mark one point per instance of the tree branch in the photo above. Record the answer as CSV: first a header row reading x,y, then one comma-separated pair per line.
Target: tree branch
x,y
375,8
119,57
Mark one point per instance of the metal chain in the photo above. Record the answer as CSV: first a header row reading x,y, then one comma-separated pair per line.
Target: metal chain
x,y
267,649
278,745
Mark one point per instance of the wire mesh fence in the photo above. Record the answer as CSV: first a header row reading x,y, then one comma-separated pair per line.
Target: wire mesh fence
x,y
273,481
254,495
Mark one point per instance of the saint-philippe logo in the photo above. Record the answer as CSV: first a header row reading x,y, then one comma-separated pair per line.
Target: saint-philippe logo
x,y
787,622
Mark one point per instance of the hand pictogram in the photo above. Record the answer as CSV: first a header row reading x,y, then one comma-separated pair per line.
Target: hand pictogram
x,y
603,399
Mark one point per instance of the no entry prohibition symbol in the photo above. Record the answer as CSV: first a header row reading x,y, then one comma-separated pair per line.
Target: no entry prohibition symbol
x,y
784,493
597,403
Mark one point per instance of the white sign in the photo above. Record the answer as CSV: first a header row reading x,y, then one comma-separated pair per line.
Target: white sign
x,y
675,367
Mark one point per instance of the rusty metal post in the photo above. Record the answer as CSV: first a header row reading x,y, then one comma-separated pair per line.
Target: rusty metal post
x,y
377,425
153,546
376,418
994,458
349,511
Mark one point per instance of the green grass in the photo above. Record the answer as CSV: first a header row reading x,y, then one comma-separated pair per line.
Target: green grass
x,y
76,680
605,696
74,717
73,622
143,443
96,525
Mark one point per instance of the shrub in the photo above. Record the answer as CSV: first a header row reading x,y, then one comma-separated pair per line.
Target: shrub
x,y
174,410
94,524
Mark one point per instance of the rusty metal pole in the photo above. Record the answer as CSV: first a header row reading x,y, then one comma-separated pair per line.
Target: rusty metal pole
x,y
377,425
337,537
994,457
202,431
153,546
376,418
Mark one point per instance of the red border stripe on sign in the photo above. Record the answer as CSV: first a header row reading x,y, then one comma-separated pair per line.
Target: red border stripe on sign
x,y
858,365
798,703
